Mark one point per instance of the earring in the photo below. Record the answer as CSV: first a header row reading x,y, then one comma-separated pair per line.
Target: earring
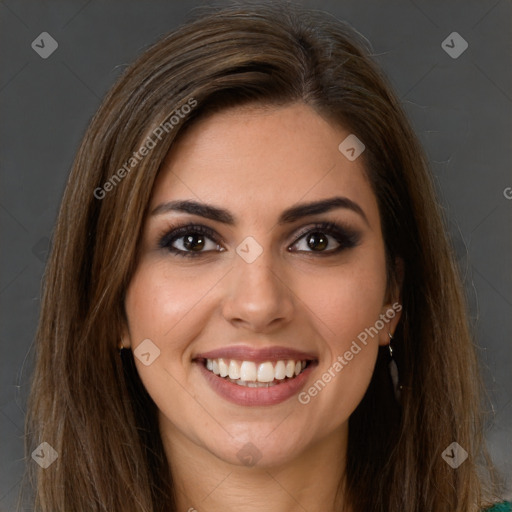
x,y
121,347
393,371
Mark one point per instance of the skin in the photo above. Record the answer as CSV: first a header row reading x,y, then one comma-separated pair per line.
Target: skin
x,y
256,162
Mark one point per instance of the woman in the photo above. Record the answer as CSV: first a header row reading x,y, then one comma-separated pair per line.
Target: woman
x,y
251,224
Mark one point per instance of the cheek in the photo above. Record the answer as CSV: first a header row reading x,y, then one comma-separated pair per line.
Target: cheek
x,y
157,307
159,301
345,305
347,299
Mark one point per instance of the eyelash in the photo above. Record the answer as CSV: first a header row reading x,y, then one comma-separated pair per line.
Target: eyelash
x,y
345,236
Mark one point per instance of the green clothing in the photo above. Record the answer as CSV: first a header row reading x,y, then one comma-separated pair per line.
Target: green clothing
x,y
500,507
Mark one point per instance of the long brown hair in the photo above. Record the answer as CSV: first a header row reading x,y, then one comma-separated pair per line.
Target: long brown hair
x,y
89,404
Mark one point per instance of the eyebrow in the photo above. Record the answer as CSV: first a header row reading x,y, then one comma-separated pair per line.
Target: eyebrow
x,y
287,216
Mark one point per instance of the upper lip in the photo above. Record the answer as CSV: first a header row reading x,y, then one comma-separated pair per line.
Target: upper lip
x,y
258,355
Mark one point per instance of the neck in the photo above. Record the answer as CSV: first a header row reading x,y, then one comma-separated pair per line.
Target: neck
x,y
307,481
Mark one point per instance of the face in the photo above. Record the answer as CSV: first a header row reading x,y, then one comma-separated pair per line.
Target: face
x,y
258,319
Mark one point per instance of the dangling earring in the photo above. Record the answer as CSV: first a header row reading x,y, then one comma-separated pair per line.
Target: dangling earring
x,y
121,348
393,371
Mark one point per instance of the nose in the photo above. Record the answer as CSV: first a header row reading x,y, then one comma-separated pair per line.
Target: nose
x,y
258,296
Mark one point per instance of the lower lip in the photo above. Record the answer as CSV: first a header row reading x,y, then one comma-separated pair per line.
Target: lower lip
x,y
243,395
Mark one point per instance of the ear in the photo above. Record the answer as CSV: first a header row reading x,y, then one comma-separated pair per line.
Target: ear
x,y
125,341
392,307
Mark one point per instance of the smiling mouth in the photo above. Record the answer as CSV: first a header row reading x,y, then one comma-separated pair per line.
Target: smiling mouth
x,y
256,375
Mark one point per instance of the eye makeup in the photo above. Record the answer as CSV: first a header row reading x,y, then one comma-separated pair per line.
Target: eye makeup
x,y
198,234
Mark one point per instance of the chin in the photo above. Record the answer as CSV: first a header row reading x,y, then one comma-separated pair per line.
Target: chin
x,y
259,449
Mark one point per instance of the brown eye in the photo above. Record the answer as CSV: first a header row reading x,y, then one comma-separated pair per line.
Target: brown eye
x,y
326,238
190,240
193,242
317,241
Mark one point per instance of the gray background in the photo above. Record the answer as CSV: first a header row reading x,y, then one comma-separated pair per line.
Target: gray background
x,y
461,108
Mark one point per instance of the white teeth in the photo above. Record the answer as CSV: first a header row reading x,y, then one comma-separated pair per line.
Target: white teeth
x,y
266,372
280,370
254,384
290,369
248,371
251,374
223,368
234,370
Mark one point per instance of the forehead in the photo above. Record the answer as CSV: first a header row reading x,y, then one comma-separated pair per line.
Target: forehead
x,y
262,159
